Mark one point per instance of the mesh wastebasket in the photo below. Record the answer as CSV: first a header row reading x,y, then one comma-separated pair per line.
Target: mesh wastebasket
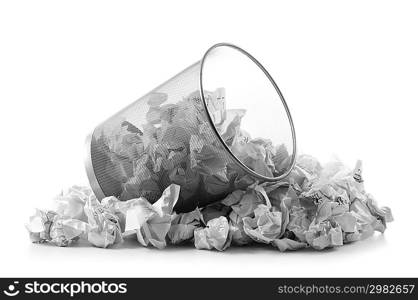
x,y
219,125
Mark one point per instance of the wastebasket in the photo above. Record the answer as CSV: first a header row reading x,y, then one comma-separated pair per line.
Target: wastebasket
x,y
219,125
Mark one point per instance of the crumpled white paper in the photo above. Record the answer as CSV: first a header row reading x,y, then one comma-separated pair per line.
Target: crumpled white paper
x,y
150,222
78,215
183,226
319,207
214,235
104,228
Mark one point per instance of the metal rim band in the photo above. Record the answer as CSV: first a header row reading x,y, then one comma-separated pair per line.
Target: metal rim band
x,y
88,163
242,165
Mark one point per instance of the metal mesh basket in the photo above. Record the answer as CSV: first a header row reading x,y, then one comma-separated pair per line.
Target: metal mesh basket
x,y
219,125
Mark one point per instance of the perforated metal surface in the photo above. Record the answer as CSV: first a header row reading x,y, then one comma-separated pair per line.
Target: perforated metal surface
x,y
167,136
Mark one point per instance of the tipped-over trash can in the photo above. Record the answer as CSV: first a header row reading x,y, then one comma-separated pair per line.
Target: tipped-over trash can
x,y
219,125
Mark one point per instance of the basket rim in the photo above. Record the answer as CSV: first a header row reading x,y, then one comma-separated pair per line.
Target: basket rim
x,y
88,165
289,117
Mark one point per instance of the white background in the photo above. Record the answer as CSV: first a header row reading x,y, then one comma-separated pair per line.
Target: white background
x,y
348,69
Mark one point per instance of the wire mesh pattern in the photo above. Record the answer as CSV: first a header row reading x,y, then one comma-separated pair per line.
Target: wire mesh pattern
x,y
172,135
